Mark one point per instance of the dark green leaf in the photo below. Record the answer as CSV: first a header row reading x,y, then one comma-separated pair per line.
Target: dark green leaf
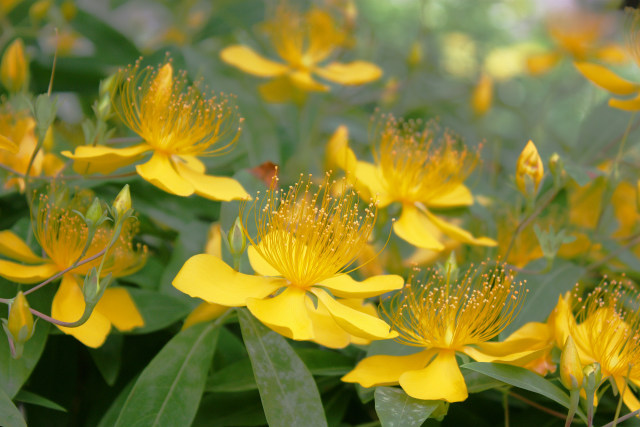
x,y
325,362
396,408
230,409
108,358
170,387
35,399
158,310
289,394
9,414
110,417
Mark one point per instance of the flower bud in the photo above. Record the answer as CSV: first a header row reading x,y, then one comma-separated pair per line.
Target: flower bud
x,y
592,377
93,288
14,69
529,170
571,373
94,213
20,324
237,238
482,95
122,203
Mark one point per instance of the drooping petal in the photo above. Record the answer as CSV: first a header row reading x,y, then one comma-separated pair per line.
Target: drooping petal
x,y
326,331
459,196
278,90
352,73
285,313
441,380
207,277
632,104
458,233
249,61
369,175
205,312
68,306
14,247
629,399
160,171
353,321
260,265
117,305
303,80
101,159
543,62
518,352
386,370
339,154
26,273
363,306
606,78
213,187
345,286
414,227
532,330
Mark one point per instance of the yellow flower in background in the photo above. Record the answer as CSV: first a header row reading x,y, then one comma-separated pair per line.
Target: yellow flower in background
x,y
444,316
62,235
304,43
580,36
178,124
419,170
14,67
307,241
482,95
19,130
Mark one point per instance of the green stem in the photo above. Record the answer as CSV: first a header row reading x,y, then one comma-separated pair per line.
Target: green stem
x,y
505,404
623,418
614,423
574,400
79,322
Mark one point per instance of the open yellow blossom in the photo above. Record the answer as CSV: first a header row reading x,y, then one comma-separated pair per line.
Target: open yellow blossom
x,y
578,35
610,81
178,124
62,235
444,316
607,331
303,42
421,171
18,130
306,242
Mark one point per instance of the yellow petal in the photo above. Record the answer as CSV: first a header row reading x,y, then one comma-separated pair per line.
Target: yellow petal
x,y
612,54
541,63
193,163
441,380
68,306
14,247
516,352
8,145
213,187
363,306
414,227
205,312
345,286
339,155
26,273
285,313
52,165
117,305
564,322
260,265
459,196
303,80
101,159
352,73
326,331
458,233
606,78
370,176
214,241
246,59
386,370
632,104
160,171
353,321
207,277
629,399
278,90
533,330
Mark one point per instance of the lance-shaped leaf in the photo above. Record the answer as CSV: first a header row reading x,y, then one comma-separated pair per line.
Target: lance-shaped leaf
x,y
10,416
397,409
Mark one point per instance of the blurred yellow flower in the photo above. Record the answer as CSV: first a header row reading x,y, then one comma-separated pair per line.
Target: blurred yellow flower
x,y
306,242
482,95
303,42
14,67
62,235
414,167
444,316
178,125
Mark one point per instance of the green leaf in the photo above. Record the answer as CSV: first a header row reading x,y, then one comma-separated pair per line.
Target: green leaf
x,y
325,362
230,409
170,387
289,394
14,373
158,310
9,414
110,417
233,378
35,399
522,378
397,408
108,358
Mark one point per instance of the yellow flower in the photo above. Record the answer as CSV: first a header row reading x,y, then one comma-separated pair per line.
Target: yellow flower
x,y
482,95
529,170
421,172
178,125
305,245
62,235
578,35
303,43
443,317
607,332
607,79
14,68
19,130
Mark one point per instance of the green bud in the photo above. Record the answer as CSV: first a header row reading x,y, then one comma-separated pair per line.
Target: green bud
x,y
20,325
122,202
556,166
237,239
94,288
94,213
106,85
441,411
593,376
